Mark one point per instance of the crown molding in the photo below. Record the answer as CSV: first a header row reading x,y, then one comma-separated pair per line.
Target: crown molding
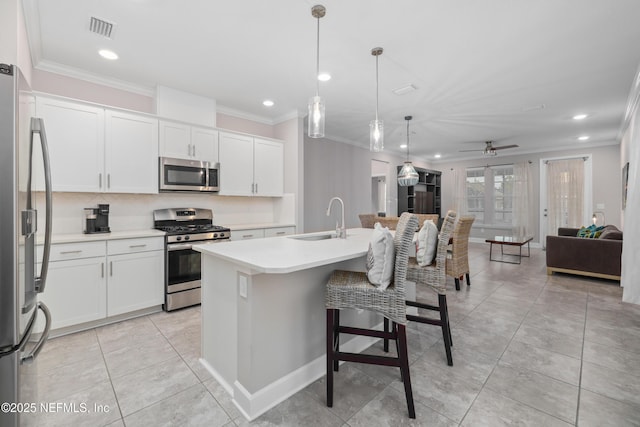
x,y
76,73
633,103
32,27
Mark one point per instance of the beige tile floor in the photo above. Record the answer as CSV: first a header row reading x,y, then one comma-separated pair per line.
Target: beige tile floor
x,y
529,349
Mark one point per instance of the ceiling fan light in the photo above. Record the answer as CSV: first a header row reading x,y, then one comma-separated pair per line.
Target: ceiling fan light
x,y
407,175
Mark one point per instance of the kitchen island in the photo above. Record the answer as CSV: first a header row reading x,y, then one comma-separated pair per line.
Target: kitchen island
x,y
263,313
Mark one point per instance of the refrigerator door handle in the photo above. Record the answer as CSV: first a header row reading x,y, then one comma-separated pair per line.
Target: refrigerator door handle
x,y
37,126
29,358
25,337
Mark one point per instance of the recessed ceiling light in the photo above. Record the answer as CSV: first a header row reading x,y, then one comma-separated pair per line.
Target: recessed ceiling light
x,y
403,145
267,103
583,137
437,156
579,117
324,77
108,54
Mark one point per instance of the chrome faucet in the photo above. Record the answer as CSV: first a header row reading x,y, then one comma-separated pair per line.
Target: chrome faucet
x,y
341,230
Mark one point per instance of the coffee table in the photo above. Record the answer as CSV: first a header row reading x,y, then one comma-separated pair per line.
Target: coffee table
x,y
519,241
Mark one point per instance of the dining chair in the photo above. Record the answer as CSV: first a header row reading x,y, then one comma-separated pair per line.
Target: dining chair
x,y
458,258
352,290
434,277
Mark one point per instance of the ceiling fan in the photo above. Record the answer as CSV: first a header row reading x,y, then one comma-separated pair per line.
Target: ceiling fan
x,y
490,150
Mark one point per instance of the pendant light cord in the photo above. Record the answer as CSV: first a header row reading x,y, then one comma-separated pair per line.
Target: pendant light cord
x,y
407,140
377,83
318,58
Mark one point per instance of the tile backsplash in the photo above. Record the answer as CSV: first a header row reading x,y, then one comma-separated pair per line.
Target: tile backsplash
x,y
135,211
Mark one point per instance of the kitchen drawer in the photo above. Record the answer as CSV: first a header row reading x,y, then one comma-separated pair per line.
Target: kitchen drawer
x,y
257,233
66,251
279,231
129,246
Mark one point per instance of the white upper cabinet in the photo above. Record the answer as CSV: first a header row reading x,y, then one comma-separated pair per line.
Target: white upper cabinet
x,y
236,165
250,166
75,134
182,141
268,167
95,150
131,153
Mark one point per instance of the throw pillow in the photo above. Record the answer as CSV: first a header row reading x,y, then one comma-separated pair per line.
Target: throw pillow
x,y
591,232
381,257
611,232
427,243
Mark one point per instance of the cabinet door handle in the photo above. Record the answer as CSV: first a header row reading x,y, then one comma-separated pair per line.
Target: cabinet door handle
x,y
194,150
246,236
100,180
108,180
102,269
256,188
70,252
110,268
281,232
138,246
189,150
253,186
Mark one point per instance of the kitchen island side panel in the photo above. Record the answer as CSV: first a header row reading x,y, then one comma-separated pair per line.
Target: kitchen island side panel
x,y
282,323
219,328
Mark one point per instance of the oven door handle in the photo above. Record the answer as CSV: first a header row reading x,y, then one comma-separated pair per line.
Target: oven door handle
x,y
179,247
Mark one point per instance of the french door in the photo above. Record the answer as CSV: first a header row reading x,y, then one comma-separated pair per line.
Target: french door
x,y
565,193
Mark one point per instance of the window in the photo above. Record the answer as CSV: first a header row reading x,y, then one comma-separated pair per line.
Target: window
x,y
490,194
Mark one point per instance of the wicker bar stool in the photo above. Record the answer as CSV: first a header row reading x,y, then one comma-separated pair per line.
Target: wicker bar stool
x,y
434,277
458,262
349,289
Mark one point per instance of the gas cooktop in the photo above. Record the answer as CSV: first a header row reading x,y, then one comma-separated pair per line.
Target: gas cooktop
x,y
177,221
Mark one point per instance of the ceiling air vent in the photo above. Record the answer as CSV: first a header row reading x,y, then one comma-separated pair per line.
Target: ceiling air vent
x,y
101,27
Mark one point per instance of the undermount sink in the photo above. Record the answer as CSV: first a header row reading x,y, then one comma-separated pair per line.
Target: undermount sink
x,y
312,237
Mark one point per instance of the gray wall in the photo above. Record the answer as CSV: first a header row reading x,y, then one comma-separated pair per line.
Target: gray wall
x,y
337,169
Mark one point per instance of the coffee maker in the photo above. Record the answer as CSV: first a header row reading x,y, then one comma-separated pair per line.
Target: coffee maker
x,y
97,220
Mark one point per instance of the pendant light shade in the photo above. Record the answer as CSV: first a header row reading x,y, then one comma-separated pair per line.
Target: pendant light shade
x,y
315,118
315,125
376,127
407,175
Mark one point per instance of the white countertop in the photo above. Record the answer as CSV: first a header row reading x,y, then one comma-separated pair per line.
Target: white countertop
x,y
255,226
114,235
285,254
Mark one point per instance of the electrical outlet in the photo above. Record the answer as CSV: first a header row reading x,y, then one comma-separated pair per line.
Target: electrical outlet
x,y
243,284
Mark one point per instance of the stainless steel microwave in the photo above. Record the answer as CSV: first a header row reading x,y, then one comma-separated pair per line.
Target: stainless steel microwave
x,y
188,175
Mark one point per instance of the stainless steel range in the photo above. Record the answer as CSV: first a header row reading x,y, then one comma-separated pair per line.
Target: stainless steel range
x,y
185,228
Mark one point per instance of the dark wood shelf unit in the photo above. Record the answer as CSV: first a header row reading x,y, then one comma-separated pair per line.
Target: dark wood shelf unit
x,y
424,197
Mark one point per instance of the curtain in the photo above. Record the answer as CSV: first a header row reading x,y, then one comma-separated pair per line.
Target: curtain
x,y
565,193
460,191
522,199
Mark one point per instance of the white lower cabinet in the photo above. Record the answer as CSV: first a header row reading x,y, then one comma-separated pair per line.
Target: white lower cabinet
x,y
135,281
96,280
279,231
259,233
76,292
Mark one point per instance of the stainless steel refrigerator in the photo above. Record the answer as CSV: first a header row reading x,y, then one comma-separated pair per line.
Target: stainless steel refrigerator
x,y
23,149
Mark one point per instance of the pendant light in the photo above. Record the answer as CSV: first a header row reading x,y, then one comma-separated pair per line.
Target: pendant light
x,y
376,127
315,125
407,175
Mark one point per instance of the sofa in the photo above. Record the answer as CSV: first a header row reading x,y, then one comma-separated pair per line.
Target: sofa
x,y
596,257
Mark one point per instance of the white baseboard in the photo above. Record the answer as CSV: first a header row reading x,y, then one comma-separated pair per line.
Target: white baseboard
x,y
228,387
252,405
